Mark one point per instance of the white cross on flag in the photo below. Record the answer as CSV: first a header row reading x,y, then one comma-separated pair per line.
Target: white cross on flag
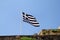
x,y
30,19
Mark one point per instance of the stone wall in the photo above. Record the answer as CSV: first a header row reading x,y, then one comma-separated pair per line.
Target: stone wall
x,y
50,37
9,37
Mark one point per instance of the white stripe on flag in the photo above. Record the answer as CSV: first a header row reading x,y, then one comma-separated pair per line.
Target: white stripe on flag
x,y
30,19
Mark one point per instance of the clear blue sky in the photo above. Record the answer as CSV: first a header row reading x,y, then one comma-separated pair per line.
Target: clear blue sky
x,y
47,13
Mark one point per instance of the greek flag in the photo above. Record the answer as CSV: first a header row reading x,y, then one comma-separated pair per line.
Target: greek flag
x,y
30,19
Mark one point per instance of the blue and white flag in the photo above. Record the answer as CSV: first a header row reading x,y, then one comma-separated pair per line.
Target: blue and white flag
x,y
30,19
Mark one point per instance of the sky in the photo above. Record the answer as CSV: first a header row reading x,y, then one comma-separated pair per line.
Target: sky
x,y
47,13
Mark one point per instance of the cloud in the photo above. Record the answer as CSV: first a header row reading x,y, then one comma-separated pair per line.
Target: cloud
x,y
58,27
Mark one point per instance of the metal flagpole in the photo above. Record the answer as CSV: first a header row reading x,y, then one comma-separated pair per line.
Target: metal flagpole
x,y
20,23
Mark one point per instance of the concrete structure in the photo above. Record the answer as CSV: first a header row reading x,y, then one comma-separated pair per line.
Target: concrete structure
x,y
49,34
10,37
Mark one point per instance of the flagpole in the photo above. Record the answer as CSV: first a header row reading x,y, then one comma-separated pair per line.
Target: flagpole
x,y
20,23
